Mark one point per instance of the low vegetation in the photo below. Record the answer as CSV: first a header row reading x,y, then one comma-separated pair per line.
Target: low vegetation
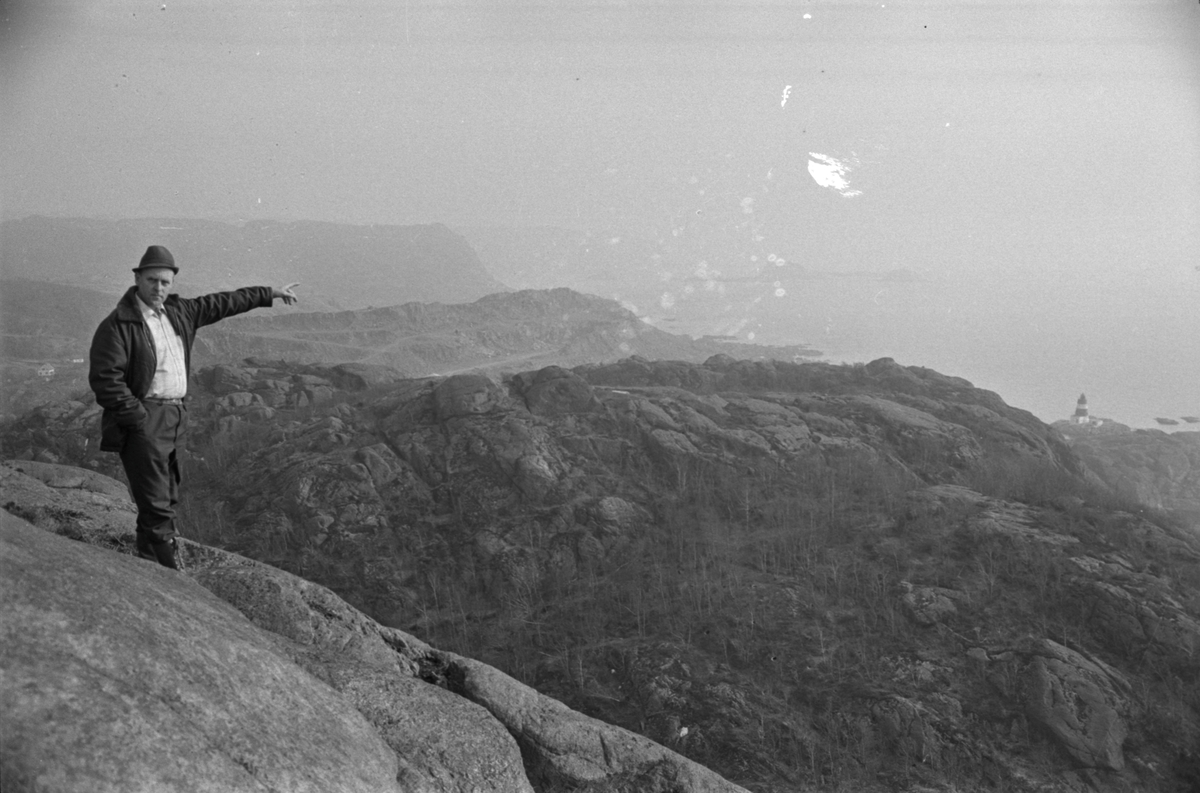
x,y
756,620
855,617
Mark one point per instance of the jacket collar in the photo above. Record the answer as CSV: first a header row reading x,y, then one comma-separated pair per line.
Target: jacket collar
x,y
130,310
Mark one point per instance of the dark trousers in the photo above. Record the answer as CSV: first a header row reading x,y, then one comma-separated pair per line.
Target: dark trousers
x,y
151,463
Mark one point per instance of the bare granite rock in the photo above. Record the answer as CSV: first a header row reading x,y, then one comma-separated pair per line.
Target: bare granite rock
x,y
375,667
555,391
465,395
1082,701
927,605
442,742
71,501
570,751
250,678
123,676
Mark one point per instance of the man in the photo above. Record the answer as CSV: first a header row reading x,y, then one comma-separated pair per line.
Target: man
x,y
140,360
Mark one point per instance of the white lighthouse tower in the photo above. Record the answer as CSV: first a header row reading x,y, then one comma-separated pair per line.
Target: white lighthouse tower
x,y
1081,411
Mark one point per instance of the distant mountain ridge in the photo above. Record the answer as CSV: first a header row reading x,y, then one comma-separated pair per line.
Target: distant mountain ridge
x,y
53,323
498,331
339,266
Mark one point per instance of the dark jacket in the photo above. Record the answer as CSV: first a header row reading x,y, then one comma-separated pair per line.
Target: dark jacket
x,y
123,360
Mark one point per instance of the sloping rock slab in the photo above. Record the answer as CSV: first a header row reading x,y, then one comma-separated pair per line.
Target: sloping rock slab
x,y
122,676
163,646
1081,701
70,501
443,742
440,731
566,750
68,477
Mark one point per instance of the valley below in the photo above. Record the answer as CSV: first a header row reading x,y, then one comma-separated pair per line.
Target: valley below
x,y
802,576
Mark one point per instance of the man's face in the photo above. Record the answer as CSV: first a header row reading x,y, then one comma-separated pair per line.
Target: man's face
x,y
154,285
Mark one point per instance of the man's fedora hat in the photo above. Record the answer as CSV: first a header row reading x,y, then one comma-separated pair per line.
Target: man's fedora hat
x,y
157,256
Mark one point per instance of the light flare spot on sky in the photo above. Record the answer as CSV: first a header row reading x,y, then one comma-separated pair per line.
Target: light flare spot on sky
x,y
831,172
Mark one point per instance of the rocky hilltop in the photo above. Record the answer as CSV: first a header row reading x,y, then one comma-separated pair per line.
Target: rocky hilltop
x,y
235,676
1159,469
496,333
803,576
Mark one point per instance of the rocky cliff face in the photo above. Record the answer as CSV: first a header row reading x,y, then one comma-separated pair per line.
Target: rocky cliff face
x,y
120,675
800,575
1159,469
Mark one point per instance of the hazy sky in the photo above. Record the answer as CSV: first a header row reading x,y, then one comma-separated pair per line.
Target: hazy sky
x,y
1055,142
558,112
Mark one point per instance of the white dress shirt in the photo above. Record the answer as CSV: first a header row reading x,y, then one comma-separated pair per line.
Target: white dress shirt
x,y
170,374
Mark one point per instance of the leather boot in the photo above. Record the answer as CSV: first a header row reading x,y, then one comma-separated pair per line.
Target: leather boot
x,y
162,552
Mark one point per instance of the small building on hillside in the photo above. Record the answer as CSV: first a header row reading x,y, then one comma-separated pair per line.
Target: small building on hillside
x,y
46,370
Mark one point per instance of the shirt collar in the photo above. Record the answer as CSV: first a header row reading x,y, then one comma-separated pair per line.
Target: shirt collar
x,y
147,309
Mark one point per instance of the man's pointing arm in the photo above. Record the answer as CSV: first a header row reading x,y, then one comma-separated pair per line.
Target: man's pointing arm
x,y
215,307
286,294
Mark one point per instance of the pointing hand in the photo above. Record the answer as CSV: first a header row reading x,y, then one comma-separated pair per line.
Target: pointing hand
x,y
286,294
